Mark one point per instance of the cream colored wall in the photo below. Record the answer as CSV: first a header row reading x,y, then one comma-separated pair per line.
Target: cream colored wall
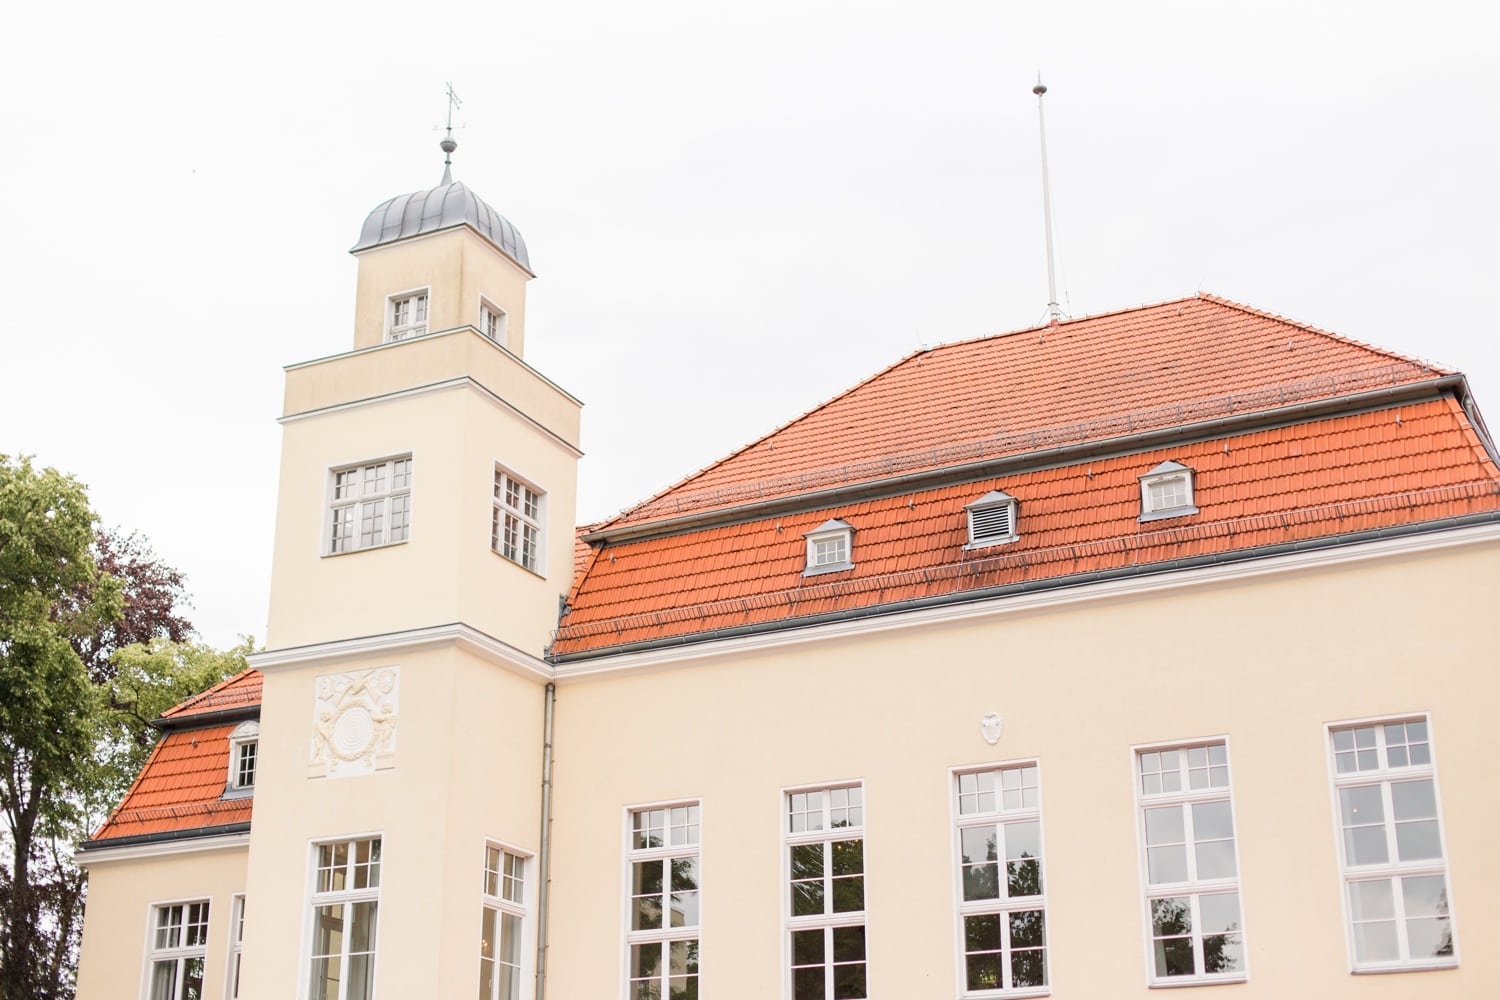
x,y
467,766
458,265
447,571
1265,661
118,916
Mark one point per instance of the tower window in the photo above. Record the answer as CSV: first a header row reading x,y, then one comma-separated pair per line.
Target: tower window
x,y
370,505
493,322
516,524
1167,491
407,315
992,519
828,547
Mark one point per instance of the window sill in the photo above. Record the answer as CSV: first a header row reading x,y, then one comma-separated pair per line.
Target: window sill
x,y
830,568
367,548
1170,984
1161,515
521,566
1382,970
239,793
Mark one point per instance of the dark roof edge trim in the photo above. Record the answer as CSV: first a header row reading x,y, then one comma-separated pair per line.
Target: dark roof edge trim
x,y
1029,460
201,720
1034,586
164,837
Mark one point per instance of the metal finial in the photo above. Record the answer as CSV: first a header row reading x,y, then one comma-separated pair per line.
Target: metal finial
x,y
1052,306
448,145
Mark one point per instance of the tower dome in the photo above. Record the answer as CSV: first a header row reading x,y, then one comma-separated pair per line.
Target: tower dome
x,y
443,207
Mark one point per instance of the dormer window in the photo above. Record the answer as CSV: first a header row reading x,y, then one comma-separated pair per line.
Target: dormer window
x,y
829,548
407,315
244,755
1167,491
492,321
992,519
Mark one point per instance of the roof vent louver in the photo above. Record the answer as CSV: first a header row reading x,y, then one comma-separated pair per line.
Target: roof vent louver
x,y
992,519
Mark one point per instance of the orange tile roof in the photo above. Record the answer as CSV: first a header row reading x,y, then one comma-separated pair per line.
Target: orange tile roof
x,y
1091,378
181,788
1404,464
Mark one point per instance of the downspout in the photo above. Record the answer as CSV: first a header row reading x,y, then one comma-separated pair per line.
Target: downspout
x,y
544,852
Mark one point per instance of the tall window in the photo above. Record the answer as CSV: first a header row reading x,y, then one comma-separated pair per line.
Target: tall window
x,y
408,316
516,526
236,943
345,908
1003,909
1395,876
500,930
244,753
663,939
1192,898
371,505
826,869
179,942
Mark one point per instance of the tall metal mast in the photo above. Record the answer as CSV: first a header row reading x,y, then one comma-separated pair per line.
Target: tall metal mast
x,y
1052,306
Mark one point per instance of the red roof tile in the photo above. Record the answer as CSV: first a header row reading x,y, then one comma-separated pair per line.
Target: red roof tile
x,y
240,691
1085,379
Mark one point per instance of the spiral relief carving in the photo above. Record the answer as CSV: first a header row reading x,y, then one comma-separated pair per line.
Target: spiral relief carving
x,y
354,722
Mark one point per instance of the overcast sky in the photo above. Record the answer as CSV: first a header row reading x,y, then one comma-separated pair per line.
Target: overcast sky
x,y
734,211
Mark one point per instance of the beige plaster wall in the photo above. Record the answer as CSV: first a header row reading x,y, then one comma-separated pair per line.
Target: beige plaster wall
x,y
467,766
1265,661
118,917
446,572
457,266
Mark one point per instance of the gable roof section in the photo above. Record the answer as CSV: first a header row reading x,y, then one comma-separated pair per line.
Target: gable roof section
x,y
1321,479
1087,379
180,791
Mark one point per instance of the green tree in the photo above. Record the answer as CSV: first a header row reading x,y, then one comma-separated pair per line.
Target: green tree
x,y
47,729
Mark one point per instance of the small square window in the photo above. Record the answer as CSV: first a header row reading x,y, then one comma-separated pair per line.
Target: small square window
x,y
829,548
406,315
1167,491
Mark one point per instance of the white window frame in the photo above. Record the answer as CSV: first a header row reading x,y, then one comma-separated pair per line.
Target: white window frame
x,y
346,898
501,334
244,740
419,302
503,513
977,509
829,920
501,904
830,548
1004,813
1193,887
181,952
1384,776
678,814
387,485
236,946
1166,472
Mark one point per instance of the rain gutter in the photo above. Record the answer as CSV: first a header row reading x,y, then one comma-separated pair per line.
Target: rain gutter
x,y
544,851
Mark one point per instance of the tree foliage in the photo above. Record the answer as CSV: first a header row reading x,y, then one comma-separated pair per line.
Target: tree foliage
x,y
93,646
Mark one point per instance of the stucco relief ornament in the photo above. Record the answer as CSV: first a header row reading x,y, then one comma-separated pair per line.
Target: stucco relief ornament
x,y
990,725
354,723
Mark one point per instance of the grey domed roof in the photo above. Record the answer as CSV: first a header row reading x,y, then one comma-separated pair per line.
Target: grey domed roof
x,y
442,207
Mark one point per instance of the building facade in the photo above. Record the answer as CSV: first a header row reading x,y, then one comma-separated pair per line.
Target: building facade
x,y
1142,650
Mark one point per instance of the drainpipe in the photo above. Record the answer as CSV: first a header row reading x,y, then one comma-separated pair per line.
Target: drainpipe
x,y
544,852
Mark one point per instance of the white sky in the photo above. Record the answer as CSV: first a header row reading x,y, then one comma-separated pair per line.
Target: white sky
x,y
735,212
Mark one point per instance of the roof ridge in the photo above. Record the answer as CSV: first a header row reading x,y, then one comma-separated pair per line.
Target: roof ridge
x,y
606,522
1087,318
183,707
1310,328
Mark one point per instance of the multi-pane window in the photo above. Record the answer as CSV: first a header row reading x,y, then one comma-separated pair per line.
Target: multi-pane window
x,y
1395,877
345,911
500,929
1192,898
1003,907
662,853
492,322
179,942
371,505
516,527
244,754
236,946
826,903
408,316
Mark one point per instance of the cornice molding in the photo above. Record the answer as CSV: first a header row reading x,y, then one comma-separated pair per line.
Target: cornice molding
x,y
457,635
88,856
875,622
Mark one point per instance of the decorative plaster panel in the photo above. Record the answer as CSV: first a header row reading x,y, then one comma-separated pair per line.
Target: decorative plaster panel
x,y
354,723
